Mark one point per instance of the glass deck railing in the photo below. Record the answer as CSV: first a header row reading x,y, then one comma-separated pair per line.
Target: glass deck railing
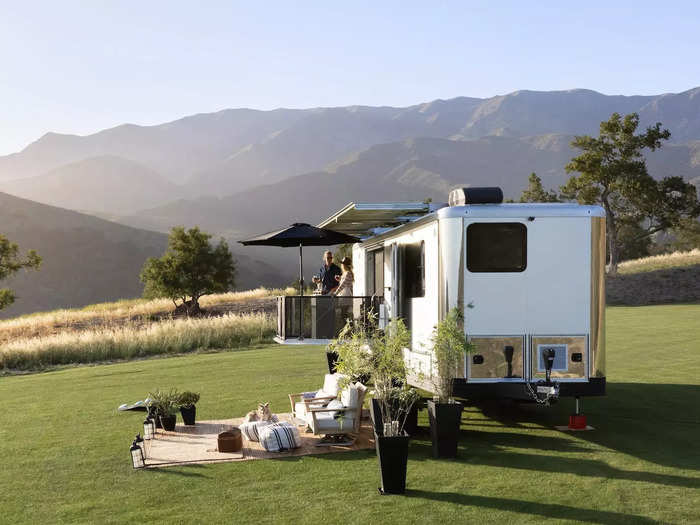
x,y
320,316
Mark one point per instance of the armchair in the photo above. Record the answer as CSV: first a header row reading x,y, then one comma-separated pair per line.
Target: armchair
x,y
340,417
303,401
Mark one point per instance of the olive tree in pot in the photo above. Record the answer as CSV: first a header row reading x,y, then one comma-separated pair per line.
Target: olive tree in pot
x,y
187,403
450,346
366,350
166,406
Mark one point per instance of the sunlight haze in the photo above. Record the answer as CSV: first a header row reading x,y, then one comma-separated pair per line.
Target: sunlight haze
x,y
76,67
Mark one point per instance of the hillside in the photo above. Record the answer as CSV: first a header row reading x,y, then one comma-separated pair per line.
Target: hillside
x,y
107,183
661,279
86,259
413,169
233,150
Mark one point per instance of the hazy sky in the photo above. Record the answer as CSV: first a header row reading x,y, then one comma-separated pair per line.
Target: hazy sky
x,y
77,67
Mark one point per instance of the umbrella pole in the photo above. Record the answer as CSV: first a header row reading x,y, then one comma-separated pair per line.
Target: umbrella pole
x,y
301,293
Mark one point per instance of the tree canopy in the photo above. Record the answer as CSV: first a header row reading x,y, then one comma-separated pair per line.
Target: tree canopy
x,y
190,268
613,173
535,192
10,263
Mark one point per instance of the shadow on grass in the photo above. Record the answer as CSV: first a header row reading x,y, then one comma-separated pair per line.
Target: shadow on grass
x,y
658,423
552,465
546,510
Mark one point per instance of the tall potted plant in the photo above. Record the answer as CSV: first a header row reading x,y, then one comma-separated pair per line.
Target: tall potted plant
x,y
450,346
188,409
165,406
364,349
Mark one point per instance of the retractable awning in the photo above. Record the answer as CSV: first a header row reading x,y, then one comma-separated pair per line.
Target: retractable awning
x,y
360,219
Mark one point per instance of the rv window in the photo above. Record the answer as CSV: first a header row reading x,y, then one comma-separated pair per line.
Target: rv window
x,y
375,273
496,247
415,270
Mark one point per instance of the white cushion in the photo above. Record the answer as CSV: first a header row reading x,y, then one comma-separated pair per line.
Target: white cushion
x,y
330,385
350,396
325,422
300,408
335,403
280,436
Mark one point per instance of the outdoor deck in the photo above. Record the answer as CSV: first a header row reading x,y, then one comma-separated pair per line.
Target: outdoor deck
x,y
319,318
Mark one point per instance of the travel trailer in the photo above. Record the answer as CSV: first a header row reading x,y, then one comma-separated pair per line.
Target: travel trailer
x,y
530,278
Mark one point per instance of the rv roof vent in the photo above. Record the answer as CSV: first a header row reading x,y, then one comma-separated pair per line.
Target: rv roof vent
x,y
462,196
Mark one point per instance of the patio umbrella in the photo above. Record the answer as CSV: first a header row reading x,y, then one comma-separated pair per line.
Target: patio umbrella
x,y
301,234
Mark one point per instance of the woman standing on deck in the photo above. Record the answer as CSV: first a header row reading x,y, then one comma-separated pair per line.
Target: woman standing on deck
x,y
345,287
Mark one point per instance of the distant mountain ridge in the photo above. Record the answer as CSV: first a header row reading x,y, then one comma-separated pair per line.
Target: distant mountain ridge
x,y
232,150
412,169
106,183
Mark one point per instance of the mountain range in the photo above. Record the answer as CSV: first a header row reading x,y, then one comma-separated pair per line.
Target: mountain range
x,y
87,259
238,172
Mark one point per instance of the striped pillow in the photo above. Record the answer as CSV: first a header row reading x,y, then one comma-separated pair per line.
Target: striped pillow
x,y
280,436
251,429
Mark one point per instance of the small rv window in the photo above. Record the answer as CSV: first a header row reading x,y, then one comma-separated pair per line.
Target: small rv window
x,y
375,273
496,247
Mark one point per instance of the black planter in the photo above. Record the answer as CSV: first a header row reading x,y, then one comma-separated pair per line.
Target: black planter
x,y
155,416
188,414
332,358
410,425
392,453
168,422
445,419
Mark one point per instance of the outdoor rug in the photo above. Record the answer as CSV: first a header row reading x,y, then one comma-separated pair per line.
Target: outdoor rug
x,y
198,444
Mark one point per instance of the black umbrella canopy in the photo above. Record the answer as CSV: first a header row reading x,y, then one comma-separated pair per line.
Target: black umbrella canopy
x,y
301,234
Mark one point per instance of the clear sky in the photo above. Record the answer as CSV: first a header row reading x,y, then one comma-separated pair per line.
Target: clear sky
x,y
78,67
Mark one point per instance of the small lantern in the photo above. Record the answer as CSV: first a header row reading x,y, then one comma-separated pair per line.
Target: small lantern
x,y
141,443
149,428
137,458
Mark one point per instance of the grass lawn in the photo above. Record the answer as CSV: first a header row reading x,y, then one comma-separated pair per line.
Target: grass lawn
x,y
64,448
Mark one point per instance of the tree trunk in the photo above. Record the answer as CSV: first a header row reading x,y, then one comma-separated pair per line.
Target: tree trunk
x,y
612,239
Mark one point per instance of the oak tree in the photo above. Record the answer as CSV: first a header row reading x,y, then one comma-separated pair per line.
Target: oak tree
x,y
613,173
190,268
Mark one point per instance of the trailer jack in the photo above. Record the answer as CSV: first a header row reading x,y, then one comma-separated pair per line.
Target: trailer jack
x,y
545,392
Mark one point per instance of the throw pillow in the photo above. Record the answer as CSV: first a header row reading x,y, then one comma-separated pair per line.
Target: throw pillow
x,y
280,436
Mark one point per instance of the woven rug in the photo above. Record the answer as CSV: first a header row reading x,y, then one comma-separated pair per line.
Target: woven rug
x,y
198,444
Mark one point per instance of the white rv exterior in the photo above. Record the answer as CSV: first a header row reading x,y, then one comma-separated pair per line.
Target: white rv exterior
x,y
528,276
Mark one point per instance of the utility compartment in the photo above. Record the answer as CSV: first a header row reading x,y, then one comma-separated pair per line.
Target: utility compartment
x,y
570,356
496,357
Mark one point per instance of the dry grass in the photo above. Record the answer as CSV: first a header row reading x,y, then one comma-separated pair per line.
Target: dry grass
x,y
132,340
113,315
660,262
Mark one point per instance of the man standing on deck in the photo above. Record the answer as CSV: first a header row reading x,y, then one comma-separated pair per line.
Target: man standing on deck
x,y
328,274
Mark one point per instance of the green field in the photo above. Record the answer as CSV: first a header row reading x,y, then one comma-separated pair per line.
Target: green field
x,y
64,448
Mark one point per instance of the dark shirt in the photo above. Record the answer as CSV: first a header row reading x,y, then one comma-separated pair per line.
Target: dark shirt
x,y
327,276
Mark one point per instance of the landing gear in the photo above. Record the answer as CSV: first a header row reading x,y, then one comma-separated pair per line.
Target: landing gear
x,y
545,392
577,421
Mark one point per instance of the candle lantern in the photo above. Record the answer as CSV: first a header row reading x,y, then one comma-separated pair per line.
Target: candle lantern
x,y
141,443
137,459
149,428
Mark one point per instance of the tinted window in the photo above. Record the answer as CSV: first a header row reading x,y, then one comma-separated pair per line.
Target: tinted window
x,y
415,270
496,247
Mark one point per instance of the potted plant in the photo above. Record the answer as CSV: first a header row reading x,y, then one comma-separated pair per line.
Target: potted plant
x,y
166,405
450,345
364,349
187,403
